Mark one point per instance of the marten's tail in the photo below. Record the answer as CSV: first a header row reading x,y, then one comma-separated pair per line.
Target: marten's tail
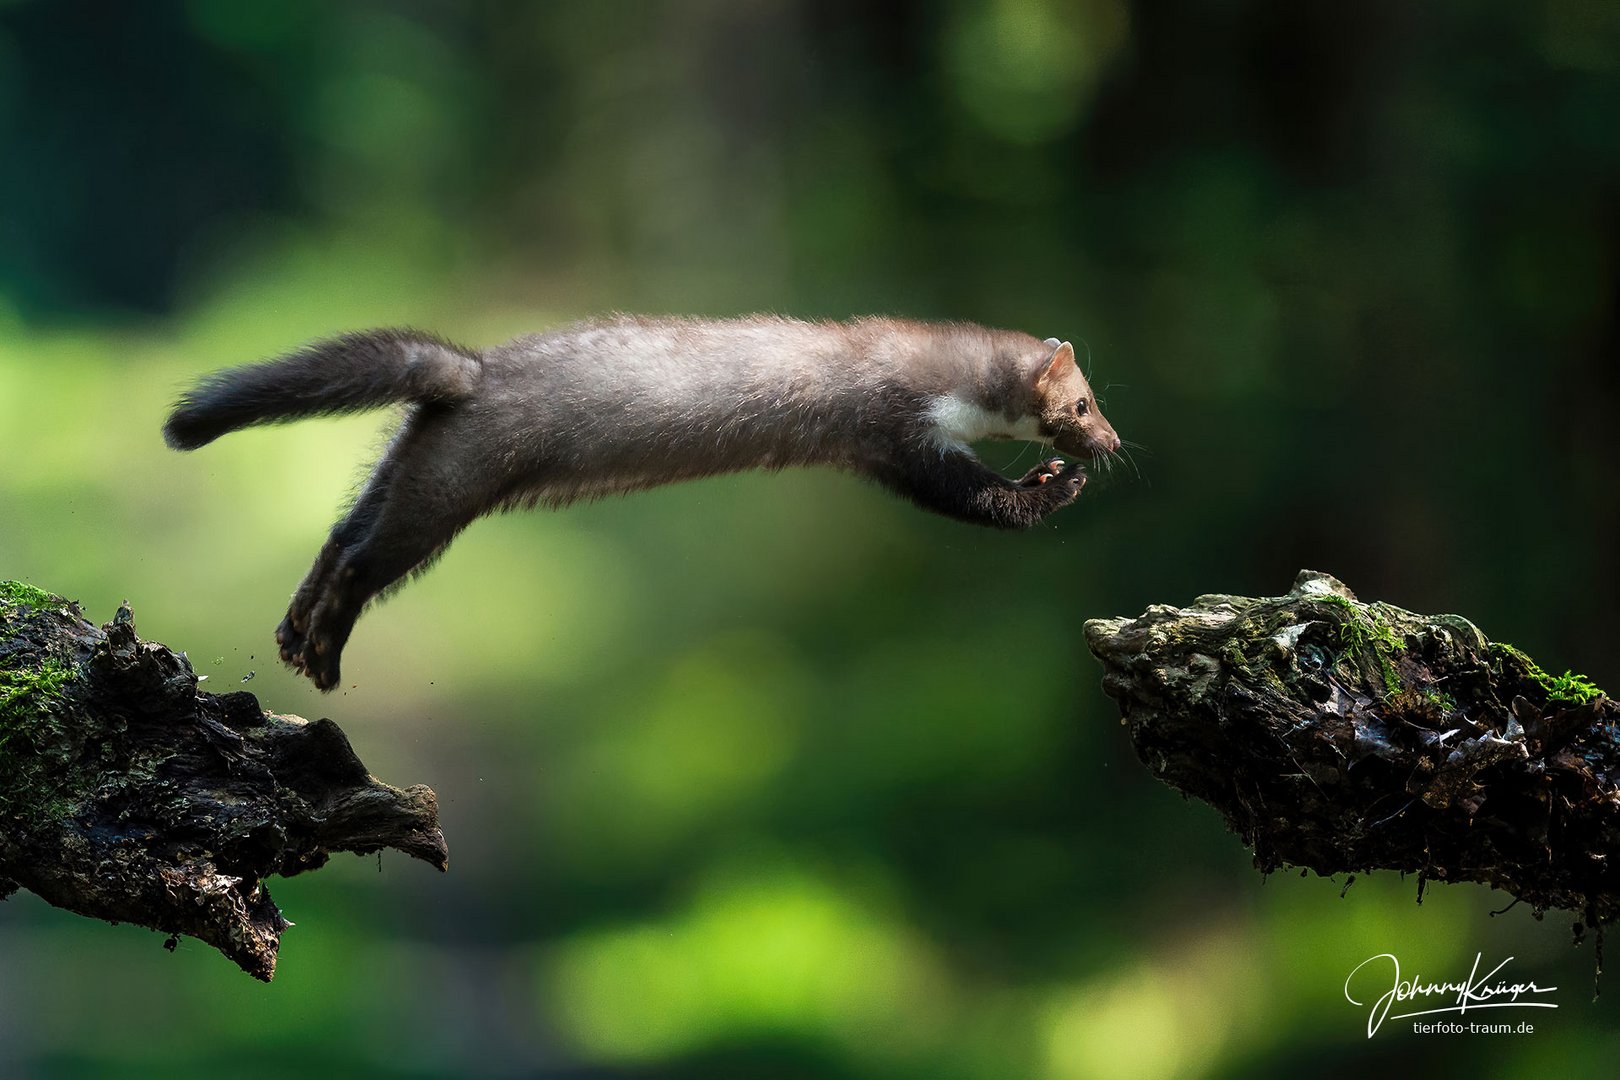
x,y
340,375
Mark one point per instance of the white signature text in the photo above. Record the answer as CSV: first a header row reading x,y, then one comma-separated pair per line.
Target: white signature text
x,y
1487,991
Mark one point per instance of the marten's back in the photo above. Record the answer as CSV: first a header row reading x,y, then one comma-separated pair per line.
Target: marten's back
x,y
636,401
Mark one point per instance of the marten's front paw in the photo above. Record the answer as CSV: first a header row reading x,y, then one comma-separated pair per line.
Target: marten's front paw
x,y
305,656
1052,477
291,640
1044,473
321,667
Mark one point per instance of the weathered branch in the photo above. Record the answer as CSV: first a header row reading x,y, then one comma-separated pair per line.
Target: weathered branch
x,y
126,794
1346,737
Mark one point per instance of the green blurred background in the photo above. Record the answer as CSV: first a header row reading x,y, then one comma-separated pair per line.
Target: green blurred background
x,y
777,776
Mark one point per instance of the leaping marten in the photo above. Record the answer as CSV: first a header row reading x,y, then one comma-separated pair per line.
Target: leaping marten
x,y
623,403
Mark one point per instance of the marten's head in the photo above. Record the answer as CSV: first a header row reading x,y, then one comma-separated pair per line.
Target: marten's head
x,y
1067,409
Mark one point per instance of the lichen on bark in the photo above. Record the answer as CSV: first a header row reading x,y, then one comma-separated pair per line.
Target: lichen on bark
x,y
1347,737
127,794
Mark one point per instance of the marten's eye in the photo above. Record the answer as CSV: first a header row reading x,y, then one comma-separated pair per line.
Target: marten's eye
x,y
1081,407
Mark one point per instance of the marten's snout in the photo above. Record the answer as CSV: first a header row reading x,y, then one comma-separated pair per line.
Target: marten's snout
x,y
1101,434
1087,442
1096,437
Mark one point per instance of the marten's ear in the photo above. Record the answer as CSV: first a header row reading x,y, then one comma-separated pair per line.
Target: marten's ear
x,y
1062,361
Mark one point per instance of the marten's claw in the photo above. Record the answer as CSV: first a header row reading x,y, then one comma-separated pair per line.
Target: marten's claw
x,y
291,642
313,662
1042,473
323,675
306,656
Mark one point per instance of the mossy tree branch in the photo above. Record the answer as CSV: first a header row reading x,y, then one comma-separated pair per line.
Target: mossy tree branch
x,y
1346,737
127,794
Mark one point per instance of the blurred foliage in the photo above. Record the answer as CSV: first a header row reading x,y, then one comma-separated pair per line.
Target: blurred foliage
x,y
775,776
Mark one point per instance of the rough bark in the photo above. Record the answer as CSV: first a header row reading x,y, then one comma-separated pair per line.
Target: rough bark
x,y
1347,737
127,794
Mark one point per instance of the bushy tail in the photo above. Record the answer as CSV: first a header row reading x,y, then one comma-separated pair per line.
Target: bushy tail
x,y
343,374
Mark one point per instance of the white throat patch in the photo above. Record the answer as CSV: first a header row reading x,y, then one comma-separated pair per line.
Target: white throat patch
x,y
959,422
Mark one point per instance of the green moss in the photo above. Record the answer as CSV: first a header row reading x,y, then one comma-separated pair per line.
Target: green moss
x,y
22,692
1427,707
24,695
1568,688
28,692
16,594
1364,633
1443,701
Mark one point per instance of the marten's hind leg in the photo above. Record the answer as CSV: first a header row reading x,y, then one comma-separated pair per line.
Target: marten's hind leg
x,y
348,533
410,509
